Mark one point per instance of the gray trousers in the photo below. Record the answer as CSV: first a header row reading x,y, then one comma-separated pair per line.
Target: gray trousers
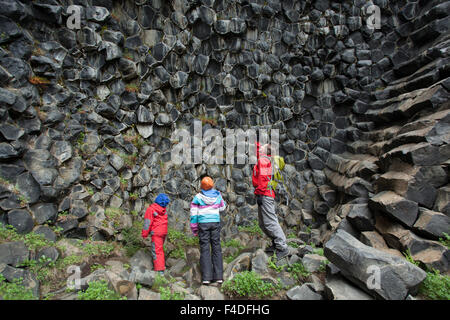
x,y
268,222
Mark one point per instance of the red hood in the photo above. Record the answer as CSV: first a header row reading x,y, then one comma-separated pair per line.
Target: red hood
x,y
160,210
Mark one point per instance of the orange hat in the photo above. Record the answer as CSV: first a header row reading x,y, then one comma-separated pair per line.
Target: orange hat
x,y
207,183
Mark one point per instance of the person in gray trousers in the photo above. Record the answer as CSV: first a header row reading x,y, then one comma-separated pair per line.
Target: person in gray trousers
x,y
265,198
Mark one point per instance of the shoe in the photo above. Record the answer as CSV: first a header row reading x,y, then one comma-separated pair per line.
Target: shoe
x,y
282,254
217,283
285,253
206,282
270,249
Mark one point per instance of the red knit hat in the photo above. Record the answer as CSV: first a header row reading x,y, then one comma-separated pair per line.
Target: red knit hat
x,y
207,183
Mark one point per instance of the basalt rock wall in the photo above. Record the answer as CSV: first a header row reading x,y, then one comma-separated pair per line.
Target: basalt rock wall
x,y
87,114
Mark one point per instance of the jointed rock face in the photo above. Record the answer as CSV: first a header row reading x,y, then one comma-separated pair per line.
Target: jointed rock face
x,y
86,117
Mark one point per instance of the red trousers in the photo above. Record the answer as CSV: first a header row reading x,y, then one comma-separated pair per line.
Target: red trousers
x,y
157,249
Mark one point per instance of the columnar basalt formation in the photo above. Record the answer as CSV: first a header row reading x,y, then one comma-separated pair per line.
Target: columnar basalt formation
x,y
363,114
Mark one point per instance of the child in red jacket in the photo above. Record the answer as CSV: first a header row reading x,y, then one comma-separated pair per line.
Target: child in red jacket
x,y
155,224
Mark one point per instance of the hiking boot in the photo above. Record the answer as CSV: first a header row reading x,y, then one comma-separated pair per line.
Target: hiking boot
x,y
285,253
270,249
282,254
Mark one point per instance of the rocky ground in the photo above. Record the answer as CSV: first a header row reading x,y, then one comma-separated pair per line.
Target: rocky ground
x,y
47,268
86,117
128,270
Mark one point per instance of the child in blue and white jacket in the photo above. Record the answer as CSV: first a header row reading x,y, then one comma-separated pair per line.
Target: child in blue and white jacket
x,y
205,222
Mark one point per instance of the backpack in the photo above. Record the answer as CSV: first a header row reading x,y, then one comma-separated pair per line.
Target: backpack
x,y
277,179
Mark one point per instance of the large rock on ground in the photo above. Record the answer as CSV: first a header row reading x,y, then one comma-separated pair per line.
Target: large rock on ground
x,y
142,258
177,269
179,288
21,220
28,187
415,184
46,232
337,288
260,261
210,293
28,279
361,217
44,212
49,253
13,253
402,210
122,286
376,240
442,203
192,255
357,262
97,275
193,275
142,275
432,224
304,292
145,294
241,263
430,253
313,262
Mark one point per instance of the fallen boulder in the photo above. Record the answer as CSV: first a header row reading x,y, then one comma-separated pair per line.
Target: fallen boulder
x,y
430,253
432,224
304,292
379,273
397,207
337,288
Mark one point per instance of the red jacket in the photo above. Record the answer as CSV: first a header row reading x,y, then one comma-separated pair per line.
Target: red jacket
x,y
155,221
262,173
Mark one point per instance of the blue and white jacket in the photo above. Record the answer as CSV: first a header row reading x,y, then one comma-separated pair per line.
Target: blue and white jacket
x,y
206,207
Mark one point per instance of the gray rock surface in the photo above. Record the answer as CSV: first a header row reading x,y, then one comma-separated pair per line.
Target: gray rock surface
x,y
362,115
337,288
357,262
13,253
303,292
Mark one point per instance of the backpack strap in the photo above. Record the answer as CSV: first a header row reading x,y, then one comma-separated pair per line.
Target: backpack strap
x,y
269,185
280,183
